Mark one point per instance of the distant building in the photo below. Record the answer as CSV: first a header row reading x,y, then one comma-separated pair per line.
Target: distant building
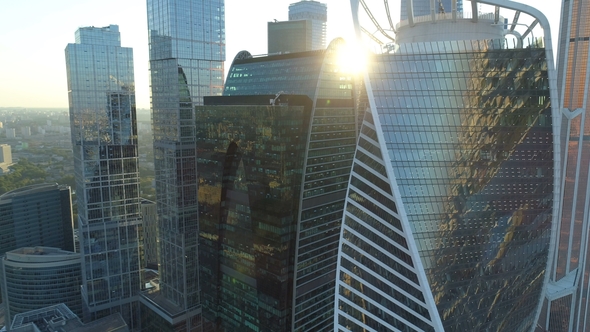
x,y
101,91
59,318
25,131
422,7
315,12
10,133
289,36
5,158
304,31
36,277
5,154
150,233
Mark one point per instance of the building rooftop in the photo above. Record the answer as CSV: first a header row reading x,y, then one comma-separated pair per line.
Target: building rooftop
x,y
30,190
40,255
59,318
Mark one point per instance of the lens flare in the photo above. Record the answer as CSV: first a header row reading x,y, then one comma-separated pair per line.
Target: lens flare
x,y
352,58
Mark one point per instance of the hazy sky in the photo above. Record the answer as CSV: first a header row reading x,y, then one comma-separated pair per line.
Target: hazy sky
x,y
34,34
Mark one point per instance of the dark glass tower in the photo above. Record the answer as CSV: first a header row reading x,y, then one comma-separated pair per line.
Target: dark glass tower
x,y
273,170
187,51
101,92
450,213
36,215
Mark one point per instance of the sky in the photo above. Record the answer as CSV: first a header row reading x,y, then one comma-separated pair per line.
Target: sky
x,y
34,34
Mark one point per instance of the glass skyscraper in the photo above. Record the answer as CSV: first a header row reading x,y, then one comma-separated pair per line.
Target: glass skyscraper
x,y
36,215
273,171
450,212
315,12
187,52
422,7
101,92
36,277
567,305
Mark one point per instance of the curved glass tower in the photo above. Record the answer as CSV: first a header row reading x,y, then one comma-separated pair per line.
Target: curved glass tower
x,y
449,213
36,277
272,183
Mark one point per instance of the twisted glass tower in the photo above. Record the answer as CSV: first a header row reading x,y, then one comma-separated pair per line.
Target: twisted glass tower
x,y
101,93
187,51
449,212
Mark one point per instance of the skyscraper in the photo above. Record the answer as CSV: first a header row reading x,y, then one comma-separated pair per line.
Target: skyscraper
x,y
187,51
422,7
101,92
289,36
450,212
317,13
273,170
149,216
36,215
5,154
37,277
567,305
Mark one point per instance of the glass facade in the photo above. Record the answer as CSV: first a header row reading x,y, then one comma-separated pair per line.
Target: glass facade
x,y
448,216
36,277
101,92
422,7
289,36
308,229
187,52
37,215
315,12
571,271
250,165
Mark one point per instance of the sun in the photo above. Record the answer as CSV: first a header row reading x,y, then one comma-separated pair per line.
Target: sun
x,y
352,58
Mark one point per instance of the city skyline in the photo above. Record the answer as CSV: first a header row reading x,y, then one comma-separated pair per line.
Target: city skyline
x,y
49,26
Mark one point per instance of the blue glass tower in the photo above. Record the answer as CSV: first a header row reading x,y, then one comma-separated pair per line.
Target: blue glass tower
x,y
101,92
187,51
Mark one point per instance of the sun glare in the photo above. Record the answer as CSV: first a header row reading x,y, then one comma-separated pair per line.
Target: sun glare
x,y
353,58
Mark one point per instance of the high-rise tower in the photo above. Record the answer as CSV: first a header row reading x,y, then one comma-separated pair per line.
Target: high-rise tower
x,y
35,277
187,51
423,8
317,13
101,93
567,304
450,211
272,183
36,215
